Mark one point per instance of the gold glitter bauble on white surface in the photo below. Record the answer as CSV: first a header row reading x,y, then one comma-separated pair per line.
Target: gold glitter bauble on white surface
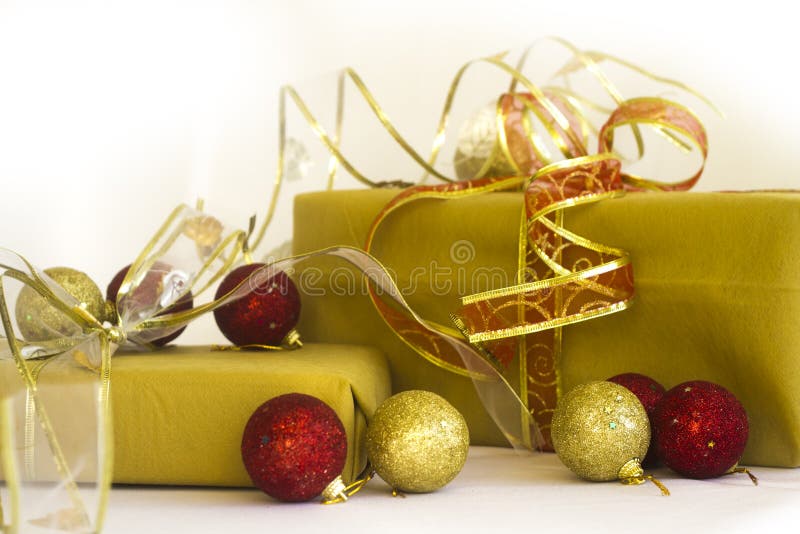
x,y
38,320
598,428
417,442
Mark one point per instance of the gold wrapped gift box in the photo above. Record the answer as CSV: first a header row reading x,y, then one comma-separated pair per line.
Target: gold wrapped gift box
x,y
717,293
179,412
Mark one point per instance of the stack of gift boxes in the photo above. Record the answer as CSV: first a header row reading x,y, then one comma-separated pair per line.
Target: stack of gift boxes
x,y
716,298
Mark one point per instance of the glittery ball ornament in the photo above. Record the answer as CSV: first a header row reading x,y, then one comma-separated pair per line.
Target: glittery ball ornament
x,y
478,152
293,447
161,286
267,315
701,429
38,320
481,152
600,431
649,392
417,442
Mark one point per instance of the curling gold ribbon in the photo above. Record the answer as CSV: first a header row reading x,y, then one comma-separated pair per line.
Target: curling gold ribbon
x,y
556,109
425,344
573,280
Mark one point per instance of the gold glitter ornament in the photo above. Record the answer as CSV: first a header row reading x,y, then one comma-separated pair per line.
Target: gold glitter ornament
x,y
501,139
40,321
417,442
478,151
601,432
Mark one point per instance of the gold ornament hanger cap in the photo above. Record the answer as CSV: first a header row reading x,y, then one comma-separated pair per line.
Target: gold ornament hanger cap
x,y
632,474
632,471
292,339
115,333
336,491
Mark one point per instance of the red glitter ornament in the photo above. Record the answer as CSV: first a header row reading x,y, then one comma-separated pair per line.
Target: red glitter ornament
x,y
649,392
150,291
293,446
265,315
701,429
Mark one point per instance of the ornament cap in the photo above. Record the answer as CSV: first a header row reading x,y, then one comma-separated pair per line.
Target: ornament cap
x,y
115,334
336,491
631,472
292,339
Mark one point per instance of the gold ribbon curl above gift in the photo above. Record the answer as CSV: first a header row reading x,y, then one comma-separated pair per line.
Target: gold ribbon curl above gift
x,y
562,278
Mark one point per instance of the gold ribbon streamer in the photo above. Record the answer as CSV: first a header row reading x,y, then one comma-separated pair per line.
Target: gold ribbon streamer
x,y
560,116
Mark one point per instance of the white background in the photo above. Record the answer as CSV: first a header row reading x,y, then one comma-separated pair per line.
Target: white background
x,y
112,113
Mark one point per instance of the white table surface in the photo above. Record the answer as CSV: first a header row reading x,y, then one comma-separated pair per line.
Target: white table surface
x,y
498,489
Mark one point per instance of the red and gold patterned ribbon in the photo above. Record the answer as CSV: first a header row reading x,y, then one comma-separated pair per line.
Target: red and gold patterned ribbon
x,y
564,278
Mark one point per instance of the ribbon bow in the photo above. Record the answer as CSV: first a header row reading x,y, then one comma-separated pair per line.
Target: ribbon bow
x,y
56,420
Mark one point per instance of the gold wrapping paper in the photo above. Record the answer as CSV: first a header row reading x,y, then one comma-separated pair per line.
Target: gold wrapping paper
x,y
717,293
179,412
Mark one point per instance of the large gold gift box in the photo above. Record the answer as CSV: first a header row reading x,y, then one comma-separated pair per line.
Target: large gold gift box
x,y
717,279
